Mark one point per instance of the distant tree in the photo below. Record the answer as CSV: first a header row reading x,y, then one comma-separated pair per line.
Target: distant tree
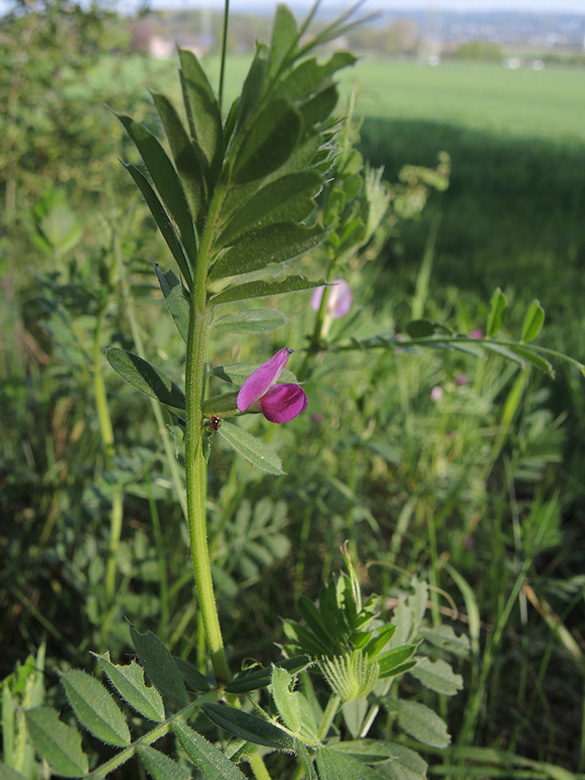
x,y
399,38
485,51
402,37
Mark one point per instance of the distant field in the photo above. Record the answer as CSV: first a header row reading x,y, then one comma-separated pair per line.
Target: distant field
x,y
548,104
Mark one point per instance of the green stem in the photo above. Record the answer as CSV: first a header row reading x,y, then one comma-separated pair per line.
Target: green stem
x,y
226,12
152,736
160,554
315,343
195,463
329,715
107,433
196,483
258,767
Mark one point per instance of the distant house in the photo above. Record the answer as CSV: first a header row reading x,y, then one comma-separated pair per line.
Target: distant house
x,y
160,48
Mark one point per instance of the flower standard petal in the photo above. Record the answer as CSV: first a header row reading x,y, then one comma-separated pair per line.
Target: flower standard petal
x,y
262,379
338,301
283,403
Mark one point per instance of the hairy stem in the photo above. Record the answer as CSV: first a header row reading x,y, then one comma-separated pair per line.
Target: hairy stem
x,y
195,463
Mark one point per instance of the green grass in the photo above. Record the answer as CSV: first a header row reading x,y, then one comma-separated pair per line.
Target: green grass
x,y
548,104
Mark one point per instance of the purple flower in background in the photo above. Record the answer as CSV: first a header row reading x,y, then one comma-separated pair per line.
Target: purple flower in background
x,y
260,393
461,379
338,301
476,334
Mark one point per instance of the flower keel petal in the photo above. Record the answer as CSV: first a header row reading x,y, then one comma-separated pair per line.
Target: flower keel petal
x,y
283,403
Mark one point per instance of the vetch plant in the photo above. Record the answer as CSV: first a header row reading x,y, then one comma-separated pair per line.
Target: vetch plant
x,y
236,199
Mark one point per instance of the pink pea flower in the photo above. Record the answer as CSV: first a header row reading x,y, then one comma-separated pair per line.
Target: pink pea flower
x,y
461,379
260,393
338,301
477,333
436,393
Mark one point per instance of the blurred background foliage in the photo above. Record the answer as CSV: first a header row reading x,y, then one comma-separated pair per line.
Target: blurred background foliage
x,y
465,472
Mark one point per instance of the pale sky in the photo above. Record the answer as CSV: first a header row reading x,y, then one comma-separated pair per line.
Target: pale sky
x,y
552,6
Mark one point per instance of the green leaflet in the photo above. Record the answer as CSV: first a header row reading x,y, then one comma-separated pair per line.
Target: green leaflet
x,y
393,659
270,244
261,289
438,676
58,744
176,300
420,329
333,765
446,639
187,157
284,38
162,220
499,303
95,708
259,677
369,751
192,677
202,113
253,87
306,760
268,142
320,106
287,199
248,727
286,699
529,355
145,377
407,765
251,321
8,773
309,77
161,767
533,321
210,761
419,721
160,666
129,682
302,160
251,448
165,179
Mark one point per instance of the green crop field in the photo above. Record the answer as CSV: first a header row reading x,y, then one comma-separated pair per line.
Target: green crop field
x,y
547,104
524,103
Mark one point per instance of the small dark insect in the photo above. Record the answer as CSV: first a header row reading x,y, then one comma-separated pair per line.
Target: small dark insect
x,y
214,423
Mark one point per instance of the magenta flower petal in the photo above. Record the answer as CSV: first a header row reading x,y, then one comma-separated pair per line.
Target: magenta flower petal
x,y
262,379
338,301
316,297
282,403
